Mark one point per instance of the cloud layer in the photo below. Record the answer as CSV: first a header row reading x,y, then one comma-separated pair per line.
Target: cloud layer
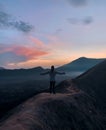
x,y
36,52
85,21
19,53
7,21
88,20
78,3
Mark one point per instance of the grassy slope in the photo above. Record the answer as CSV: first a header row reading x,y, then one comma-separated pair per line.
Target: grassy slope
x,y
69,109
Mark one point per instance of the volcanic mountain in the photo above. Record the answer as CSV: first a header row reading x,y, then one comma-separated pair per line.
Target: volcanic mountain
x,y
81,64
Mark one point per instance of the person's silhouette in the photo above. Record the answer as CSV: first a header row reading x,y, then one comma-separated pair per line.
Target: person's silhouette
x,y
52,73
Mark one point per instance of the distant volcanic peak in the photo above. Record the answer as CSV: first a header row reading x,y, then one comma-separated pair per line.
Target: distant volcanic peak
x,y
81,64
86,58
38,68
83,57
93,61
80,59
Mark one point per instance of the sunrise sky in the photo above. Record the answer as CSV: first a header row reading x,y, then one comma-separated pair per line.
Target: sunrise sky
x,y
45,32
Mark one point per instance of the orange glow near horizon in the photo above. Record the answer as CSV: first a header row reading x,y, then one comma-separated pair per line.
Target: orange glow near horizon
x,y
39,62
46,63
55,53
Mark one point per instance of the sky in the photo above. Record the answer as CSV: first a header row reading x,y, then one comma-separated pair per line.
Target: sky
x,y
51,32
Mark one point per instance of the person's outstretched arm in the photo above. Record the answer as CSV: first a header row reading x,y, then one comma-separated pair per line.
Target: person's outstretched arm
x,y
44,73
60,72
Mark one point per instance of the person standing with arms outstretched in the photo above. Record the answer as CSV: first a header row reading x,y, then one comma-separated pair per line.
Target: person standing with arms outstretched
x,y
52,73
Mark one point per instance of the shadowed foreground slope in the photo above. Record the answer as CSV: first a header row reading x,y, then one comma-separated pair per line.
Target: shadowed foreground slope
x,y
94,83
69,109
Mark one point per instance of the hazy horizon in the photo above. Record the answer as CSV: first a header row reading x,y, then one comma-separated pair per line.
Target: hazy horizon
x,y
52,32
48,67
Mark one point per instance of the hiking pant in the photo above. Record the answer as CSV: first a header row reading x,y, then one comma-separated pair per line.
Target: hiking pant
x,y
52,87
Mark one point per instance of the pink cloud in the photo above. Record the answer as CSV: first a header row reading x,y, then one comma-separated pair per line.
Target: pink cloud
x,y
28,52
37,42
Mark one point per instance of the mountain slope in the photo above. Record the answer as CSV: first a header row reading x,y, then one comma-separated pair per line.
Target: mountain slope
x,y
70,109
80,64
21,72
94,83
1,68
18,85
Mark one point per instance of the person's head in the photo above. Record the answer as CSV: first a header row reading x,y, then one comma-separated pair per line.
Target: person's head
x,y
52,68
